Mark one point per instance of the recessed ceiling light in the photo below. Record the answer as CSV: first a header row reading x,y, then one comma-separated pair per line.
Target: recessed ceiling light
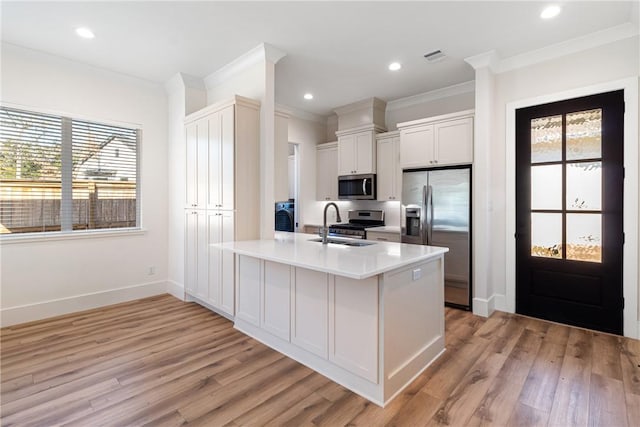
x,y
550,12
308,96
395,66
85,33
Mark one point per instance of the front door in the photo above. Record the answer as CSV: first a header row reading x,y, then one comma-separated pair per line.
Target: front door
x,y
569,232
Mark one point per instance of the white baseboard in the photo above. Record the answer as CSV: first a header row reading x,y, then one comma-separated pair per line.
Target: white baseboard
x,y
176,289
484,307
42,310
500,301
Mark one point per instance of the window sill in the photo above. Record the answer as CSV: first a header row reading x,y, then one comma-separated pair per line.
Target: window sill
x,y
56,235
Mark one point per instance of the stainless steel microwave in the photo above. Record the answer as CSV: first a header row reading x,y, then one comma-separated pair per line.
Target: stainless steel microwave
x,y
357,187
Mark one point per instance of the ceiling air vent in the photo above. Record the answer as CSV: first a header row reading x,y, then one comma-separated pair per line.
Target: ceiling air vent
x,y
434,56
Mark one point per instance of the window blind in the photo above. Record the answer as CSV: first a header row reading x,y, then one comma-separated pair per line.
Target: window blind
x,y
64,174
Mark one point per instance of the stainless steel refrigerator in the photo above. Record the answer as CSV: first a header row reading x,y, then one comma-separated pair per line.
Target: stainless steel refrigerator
x,y
436,211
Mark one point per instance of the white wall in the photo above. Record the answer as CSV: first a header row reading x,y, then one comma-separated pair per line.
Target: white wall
x,y
436,107
34,273
589,67
249,82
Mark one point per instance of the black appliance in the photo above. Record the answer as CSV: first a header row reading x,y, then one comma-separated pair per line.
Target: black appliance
x,y
358,221
285,216
357,187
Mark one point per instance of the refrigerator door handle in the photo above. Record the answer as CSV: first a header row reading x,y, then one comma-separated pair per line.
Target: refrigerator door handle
x,y
423,216
430,223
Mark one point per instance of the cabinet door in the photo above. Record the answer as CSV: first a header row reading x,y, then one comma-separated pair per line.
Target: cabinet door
x,y
227,165
416,147
213,165
397,191
203,162
353,326
191,141
327,173
250,271
309,311
191,251
214,258
387,159
383,236
454,142
228,284
276,294
202,264
365,153
347,155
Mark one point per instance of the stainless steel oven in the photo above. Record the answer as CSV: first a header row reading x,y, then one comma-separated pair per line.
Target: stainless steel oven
x,y
357,187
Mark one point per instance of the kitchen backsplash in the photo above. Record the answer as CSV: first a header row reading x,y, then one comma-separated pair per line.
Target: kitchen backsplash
x,y
391,211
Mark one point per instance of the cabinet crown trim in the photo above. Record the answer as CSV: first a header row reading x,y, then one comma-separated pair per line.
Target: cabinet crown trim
x,y
436,119
236,100
370,127
327,145
386,135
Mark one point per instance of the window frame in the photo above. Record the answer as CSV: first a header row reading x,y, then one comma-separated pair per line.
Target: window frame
x,y
90,233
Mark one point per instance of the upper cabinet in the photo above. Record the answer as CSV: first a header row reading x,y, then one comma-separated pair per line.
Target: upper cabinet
x,y
357,151
389,170
437,141
327,171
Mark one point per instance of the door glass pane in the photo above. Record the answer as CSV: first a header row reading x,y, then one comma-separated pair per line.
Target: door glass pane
x,y
584,237
584,186
546,139
546,235
584,130
546,187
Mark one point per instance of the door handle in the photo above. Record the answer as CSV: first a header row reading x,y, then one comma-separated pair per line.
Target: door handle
x,y
364,187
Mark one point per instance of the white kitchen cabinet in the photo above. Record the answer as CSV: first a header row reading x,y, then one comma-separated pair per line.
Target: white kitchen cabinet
x,y
310,311
356,153
249,294
327,171
389,171
221,266
196,273
222,148
353,325
437,141
276,299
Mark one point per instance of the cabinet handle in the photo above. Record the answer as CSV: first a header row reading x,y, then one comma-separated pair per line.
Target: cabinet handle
x,y
435,161
382,238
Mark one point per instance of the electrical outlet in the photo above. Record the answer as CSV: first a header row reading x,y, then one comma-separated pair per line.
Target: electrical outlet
x,y
151,270
417,273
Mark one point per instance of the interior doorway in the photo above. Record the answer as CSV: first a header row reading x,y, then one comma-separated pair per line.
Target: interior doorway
x,y
294,180
569,211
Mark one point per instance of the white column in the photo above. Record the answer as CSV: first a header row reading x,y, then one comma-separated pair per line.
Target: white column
x,y
483,293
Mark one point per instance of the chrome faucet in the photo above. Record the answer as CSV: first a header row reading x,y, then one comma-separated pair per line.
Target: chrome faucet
x,y
325,230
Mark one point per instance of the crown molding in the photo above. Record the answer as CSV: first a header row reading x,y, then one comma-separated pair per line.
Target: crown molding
x,y
578,44
262,52
488,59
181,81
301,114
374,103
433,95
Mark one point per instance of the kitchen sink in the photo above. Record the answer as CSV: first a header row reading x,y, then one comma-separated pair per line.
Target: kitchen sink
x,y
344,242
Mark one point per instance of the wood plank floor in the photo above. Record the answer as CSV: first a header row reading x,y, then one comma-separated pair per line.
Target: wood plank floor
x,y
162,362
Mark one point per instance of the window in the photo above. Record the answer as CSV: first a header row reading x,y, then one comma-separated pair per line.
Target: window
x,y
64,174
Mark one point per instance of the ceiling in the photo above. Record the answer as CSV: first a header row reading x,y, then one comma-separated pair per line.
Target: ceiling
x,y
339,51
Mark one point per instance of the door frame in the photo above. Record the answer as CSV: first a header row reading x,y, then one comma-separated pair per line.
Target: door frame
x,y
631,324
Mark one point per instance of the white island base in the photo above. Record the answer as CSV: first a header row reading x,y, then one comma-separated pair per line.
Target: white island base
x,y
372,335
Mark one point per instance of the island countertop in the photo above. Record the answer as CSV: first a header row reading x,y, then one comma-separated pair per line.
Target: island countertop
x,y
359,262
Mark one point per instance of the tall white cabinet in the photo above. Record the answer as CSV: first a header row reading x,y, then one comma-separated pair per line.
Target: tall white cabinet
x,y
222,196
389,170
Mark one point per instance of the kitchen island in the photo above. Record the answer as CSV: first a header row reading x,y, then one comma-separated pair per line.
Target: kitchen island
x,y
371,318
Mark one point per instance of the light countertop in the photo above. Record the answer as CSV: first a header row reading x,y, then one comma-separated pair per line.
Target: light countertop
x,y
353,262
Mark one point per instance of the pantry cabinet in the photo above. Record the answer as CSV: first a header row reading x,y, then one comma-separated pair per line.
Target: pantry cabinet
x,y
437,141
222,182
389,170
327,171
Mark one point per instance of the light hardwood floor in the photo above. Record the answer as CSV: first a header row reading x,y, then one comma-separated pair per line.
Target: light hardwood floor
x,y
162,362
